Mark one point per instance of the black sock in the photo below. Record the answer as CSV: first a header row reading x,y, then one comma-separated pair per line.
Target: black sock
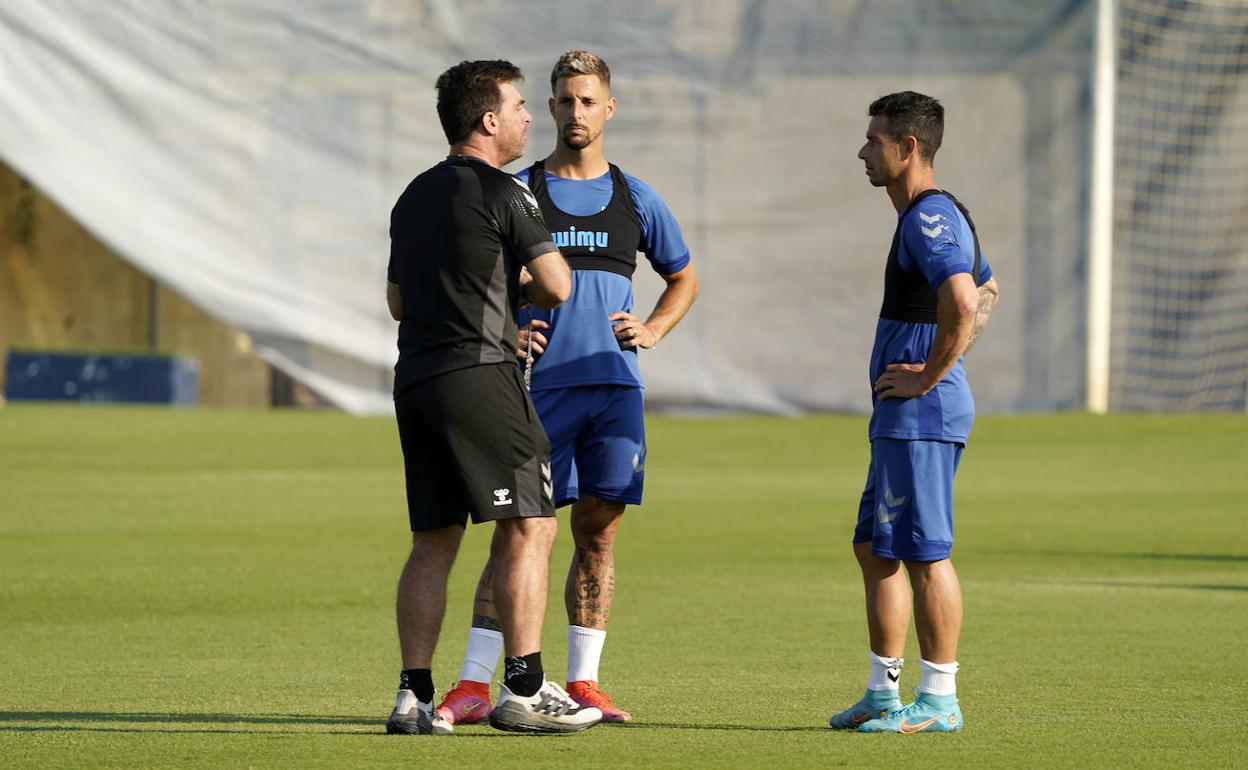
x,y
419,681
524,674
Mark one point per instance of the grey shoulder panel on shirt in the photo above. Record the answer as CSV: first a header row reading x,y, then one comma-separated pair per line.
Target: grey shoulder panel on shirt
x,y
503,189
494,313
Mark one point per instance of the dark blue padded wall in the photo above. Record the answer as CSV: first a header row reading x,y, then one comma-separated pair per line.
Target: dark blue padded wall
x,y
102,378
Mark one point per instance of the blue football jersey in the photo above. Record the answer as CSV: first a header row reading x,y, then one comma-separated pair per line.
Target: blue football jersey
x,y
936,242
582,349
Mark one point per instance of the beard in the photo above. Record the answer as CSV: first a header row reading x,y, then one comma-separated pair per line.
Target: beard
x,y
577,141
515,147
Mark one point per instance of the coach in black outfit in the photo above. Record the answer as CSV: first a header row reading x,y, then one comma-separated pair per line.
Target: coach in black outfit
x,y
467,242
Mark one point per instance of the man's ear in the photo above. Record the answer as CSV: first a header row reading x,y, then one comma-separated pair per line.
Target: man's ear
x,y
909,146
489,123
610,107
551,104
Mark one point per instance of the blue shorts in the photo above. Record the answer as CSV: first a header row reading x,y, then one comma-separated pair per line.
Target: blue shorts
x,y
597,441
906,511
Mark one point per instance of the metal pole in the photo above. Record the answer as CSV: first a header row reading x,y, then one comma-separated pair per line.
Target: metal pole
x,y
153,315
1101,214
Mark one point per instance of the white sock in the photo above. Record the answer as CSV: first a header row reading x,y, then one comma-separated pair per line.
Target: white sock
x,y
484,648
885,672
939,678
584,651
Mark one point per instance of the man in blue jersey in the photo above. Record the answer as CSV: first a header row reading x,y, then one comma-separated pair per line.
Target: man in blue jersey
x,y
586,382
938,295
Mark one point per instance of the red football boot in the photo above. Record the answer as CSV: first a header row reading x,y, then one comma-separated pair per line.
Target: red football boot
x,y
586,693
467,703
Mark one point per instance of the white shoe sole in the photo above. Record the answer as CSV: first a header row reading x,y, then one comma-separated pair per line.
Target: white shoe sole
x,y
414,725
515,718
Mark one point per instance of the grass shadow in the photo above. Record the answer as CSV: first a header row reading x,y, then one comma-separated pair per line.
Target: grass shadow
x,y
380,730
74,721
734,728
191,723
184,718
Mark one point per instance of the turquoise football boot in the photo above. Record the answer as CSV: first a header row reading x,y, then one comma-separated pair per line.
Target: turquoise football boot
x,y
876,704
928,714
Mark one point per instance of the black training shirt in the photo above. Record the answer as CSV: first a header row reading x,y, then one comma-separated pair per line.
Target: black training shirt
x,y
458,236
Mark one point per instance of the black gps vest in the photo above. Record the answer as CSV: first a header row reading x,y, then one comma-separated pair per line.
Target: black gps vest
x,y
608,240
907,297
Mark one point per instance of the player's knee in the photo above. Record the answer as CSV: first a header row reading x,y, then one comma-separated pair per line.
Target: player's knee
x,y
599,540
939,570
875,567
864,555
437,540
524,531
594,526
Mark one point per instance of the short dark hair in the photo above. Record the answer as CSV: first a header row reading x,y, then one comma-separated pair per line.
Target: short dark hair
x,y
469,90
913,114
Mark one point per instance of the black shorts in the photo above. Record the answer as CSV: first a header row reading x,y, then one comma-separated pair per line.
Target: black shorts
x,y
472,443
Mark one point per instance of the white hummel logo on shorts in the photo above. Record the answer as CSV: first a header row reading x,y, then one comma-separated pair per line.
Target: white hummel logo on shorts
x,y
502,495
547,488
892,502
882,511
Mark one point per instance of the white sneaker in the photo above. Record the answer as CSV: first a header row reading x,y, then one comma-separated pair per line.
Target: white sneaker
x,y
411,717
549,710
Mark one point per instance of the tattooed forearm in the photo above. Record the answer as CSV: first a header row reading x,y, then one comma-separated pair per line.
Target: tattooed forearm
x,y
988,295
486,622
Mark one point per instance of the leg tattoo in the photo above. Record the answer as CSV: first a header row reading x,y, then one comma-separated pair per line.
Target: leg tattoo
x,y
484,615
590,588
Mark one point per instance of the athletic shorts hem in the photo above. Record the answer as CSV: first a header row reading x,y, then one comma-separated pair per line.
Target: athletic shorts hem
x,y
488,519
562,501
926,552
569,384
528,515
903,435
436,527
613,498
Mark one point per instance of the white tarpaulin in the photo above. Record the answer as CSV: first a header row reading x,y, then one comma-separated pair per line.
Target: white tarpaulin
x,y
248,154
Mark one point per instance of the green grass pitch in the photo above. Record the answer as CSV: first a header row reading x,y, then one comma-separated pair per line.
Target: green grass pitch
x,y
215,589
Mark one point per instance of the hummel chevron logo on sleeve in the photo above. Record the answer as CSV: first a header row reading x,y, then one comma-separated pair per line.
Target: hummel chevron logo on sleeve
x,y
932,219
528,195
